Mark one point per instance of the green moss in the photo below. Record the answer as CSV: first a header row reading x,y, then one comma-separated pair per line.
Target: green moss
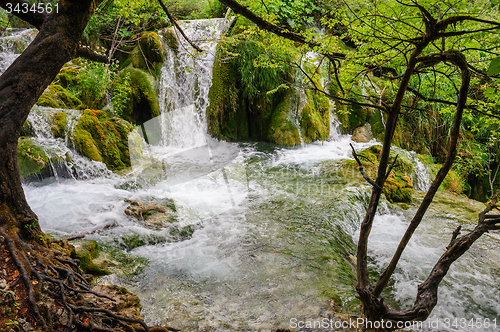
x,y
398,186
103,138
171,38
139,103
351,117
377,125
226,120
149,53
315,118
31,159
27,130
58,124
282,129
69,77
124,263
56,96
86,251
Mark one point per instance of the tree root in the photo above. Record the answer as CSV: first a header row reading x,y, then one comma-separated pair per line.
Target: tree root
x,y
54,282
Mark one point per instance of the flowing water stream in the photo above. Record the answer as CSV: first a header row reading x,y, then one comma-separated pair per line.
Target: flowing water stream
x,y
272,230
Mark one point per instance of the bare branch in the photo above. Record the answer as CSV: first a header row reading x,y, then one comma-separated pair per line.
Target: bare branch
x,y
459,60
362,170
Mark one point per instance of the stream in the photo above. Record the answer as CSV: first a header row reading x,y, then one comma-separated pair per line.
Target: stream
x,y
269,233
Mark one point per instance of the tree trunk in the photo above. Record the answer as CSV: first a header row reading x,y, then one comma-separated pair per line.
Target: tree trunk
x,y
20,87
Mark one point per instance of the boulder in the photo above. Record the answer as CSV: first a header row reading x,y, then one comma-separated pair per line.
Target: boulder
x,y
362,134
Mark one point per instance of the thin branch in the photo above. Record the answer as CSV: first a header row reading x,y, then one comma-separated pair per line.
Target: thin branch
x,y
459,60
174,23
362,170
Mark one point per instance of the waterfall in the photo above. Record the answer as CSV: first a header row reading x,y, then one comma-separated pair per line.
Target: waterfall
x,y
65,162
421,180
12,43
420,177
186,78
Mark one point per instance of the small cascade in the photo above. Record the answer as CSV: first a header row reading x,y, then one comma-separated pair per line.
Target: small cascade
x,y
186,78
420,178
65,162
301,102
12,43
335,133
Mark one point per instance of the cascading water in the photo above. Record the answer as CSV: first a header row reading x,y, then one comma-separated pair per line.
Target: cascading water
x,y
186,78
64,160
12,43
271,229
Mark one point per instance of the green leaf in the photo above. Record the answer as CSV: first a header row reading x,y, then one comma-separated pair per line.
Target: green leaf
x,y
494,68
10,322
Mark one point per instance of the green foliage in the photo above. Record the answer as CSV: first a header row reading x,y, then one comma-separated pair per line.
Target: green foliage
x,y
122,90
134,95
494,68
95,80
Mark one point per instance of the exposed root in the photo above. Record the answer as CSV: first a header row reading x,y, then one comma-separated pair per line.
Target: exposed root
x,y
55,284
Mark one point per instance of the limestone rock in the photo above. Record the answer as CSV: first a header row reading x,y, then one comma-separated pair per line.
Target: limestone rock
x,y
362,134
153,215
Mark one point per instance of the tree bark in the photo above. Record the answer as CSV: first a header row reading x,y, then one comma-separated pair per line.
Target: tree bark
x,y
20,87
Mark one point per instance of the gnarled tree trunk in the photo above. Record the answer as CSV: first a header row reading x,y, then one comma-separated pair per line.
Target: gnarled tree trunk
x,y
20,87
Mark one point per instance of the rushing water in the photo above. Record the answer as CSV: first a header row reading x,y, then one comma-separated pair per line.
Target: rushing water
x,y
12,43
273,229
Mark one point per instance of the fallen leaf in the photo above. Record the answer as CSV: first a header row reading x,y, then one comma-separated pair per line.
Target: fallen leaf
x,y
7,259
16,274
23,311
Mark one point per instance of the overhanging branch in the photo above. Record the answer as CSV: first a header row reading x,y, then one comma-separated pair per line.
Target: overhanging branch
x,y
174,23
265,25
424,304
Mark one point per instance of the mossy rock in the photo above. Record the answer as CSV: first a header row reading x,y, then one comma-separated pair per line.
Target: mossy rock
x,y
31,159
226,120
377,124
69,77
103,138
56,96
282,129
58,124
139,102
171,39
86,251
27,130
351,117
149,53
315,117
398,188
372,156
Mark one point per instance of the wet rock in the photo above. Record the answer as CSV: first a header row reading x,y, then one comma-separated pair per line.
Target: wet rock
x,y
154,215
362,134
